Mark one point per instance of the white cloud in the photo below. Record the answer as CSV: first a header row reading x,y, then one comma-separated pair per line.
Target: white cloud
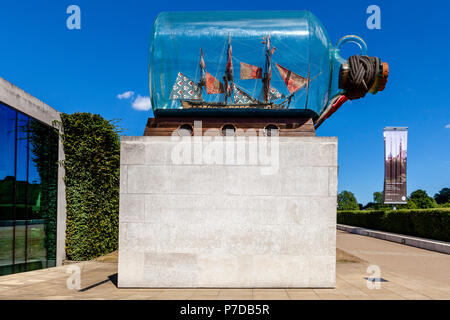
x,y
142,103
125,95
447,126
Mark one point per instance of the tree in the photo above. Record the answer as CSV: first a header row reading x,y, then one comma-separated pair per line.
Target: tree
x,y
370,206
422,200
378,202
378,197
347,201
443,196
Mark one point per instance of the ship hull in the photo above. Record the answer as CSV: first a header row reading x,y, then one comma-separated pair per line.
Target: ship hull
x,y
250,112
220,105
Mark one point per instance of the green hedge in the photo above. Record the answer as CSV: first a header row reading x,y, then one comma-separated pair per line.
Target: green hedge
x,y
92,158
426,223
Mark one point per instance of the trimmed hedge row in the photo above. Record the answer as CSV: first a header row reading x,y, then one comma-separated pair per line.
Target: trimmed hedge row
x,y
425,223
92,159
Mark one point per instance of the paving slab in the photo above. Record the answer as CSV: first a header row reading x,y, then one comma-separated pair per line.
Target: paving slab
x,y
411,274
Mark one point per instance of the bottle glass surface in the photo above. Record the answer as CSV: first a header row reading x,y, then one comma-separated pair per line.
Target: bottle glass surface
x,y
254,63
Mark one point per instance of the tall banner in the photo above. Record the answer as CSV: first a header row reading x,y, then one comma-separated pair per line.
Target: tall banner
x,y
395,153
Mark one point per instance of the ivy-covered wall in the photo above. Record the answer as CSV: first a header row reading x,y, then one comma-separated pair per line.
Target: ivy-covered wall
x,y
92,159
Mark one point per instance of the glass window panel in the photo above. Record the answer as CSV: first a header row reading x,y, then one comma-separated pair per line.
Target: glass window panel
x,y
21,190
43,175
7,145
36,252
28,214
19,244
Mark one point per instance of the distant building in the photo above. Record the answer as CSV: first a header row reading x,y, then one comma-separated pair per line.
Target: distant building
x,y
32,194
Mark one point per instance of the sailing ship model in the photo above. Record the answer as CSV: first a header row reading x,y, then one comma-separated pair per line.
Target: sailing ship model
x,y
190,93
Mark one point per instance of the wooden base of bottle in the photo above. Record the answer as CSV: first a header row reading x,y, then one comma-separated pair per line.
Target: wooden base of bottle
x,y
287,127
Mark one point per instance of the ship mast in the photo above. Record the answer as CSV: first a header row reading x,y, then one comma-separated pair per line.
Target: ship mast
x,y
202,81
267,69
228,78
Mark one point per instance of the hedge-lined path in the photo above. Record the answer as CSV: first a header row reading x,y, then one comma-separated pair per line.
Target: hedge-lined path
x,y
411,273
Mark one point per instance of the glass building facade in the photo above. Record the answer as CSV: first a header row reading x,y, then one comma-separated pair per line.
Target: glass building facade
x,y
28,192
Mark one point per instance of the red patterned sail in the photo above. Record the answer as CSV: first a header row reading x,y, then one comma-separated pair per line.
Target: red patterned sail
x,y
213,86
292,80
250,72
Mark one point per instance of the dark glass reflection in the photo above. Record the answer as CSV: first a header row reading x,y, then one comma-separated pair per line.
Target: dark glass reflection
x,y
21,189
7,180
44,158
28,192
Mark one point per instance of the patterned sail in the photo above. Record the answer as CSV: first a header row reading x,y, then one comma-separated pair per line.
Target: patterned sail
x,y
241,97
250,72
213,86
274,94
185,89
292,80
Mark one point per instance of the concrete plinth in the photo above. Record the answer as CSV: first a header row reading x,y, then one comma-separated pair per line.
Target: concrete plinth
x,y
264,219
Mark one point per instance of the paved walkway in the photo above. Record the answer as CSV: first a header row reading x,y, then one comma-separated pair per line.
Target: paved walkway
x,y
411,273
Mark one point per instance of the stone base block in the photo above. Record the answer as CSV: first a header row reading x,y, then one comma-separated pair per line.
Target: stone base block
x,y
190,219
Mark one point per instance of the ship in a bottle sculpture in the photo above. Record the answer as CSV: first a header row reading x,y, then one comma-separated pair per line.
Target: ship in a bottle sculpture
x,y
261,65
191,93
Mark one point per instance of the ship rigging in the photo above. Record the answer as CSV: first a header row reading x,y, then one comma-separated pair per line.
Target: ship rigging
x,y
190,93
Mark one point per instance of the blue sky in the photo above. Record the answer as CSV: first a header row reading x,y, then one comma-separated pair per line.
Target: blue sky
x,y
85,70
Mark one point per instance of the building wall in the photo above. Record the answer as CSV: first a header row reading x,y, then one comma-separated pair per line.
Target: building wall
x,y
17,99
193,224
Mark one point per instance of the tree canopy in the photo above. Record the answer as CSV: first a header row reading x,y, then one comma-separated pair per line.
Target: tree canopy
x,y
418,199
378,197
347,201
442,196
422,200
